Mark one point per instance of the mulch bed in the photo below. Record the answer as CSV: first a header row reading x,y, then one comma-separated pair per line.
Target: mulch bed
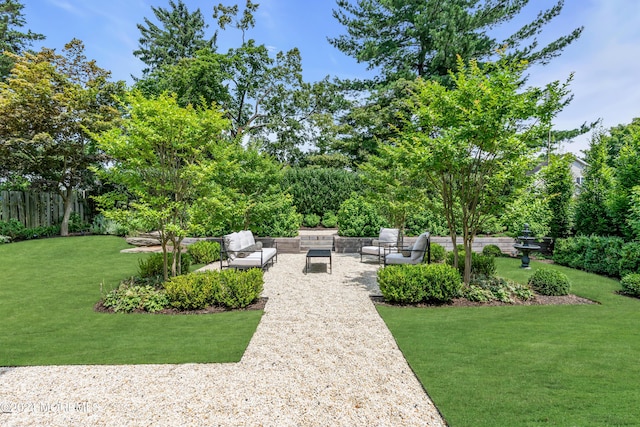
x,y
462,302
258,305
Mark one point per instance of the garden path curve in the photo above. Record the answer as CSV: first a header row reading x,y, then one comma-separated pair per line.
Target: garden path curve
x,y
321,356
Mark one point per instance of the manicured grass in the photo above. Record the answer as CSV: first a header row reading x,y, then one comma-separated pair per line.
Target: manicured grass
x,y
47,292
529,366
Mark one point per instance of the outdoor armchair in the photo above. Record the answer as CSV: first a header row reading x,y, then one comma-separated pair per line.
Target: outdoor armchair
x,y
414,254
241,251
387,239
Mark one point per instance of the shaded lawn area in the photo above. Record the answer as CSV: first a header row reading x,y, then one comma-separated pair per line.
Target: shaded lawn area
x,y
47,293
528,365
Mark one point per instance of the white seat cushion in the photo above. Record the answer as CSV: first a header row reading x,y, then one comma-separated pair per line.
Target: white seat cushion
x,y
372,250
398,258
255,259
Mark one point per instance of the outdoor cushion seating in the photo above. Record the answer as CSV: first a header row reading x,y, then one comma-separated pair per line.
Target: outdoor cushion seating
x,y
241,251
414,254
388,238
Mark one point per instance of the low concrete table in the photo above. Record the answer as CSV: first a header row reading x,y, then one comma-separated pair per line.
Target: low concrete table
x,y
318,253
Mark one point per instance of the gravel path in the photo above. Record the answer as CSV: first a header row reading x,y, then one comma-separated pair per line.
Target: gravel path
x,y
321,356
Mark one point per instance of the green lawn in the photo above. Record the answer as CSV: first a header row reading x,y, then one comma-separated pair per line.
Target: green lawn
x,y
47,292
529,366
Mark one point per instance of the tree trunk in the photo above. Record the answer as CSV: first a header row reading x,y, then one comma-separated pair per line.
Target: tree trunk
x,y
67,199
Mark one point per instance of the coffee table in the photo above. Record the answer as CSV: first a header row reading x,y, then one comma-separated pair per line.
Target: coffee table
x,y
318,253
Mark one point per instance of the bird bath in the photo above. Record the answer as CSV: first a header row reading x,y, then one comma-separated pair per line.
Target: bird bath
x,y
525,247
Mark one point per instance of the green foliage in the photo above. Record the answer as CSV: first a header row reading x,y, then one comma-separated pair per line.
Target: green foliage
x,y
438,252
592,215
485,289
596,254
548,281
129,297
492,250
11,39
194,291
241,288
358,218
559,187
179,35
102,225
319,190
410,284
481,265
164,159
311,220
276,217
329,219
49,107
229,288
631,284
153,265
630,259
422,220
474,142
15,231
396,38
204,252
529,206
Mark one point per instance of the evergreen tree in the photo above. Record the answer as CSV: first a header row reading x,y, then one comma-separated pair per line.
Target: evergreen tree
x,y
591,214
11,39
179,35
559,188
405,38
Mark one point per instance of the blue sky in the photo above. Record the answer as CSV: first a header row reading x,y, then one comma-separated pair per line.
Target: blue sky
x,y
605,59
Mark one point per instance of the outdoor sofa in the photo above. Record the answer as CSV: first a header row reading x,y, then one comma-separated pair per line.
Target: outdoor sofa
x,y
240,250
414,254
387,239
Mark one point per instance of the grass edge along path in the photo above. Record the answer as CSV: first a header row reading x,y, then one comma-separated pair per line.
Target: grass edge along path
x,y
528,365
47,292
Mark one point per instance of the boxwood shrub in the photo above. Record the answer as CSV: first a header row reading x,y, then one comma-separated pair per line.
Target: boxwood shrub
x,y
359,218
547,281
204,252
410,284
482,265
438,252
492,250
229,288
631,284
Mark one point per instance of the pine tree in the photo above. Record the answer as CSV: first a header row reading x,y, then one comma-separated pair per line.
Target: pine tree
x,y
12,40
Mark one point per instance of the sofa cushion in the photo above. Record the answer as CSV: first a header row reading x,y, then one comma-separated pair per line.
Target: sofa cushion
x,y
407,251
246,238
244,252
420,246
388,235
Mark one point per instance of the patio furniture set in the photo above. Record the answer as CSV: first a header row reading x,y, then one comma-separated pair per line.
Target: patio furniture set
x,y
240,250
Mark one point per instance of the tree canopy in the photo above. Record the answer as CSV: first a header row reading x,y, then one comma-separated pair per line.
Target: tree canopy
x,y
408,38
179,34
473,143
49,105
12,40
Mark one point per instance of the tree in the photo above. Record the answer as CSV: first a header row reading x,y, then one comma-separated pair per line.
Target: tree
x,y
591,213
407,38
11,39
180,34
263,95
163,158
473,143
48,106
559,188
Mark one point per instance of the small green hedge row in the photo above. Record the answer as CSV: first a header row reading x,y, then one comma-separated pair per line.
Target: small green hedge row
x,y
546,281
228,288
608,256
15,231
631,285
204,252
411,284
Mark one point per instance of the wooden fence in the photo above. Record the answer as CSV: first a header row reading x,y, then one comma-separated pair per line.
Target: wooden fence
x,y
37,209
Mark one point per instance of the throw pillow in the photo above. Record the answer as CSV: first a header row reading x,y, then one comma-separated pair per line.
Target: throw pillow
x,y
245,252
